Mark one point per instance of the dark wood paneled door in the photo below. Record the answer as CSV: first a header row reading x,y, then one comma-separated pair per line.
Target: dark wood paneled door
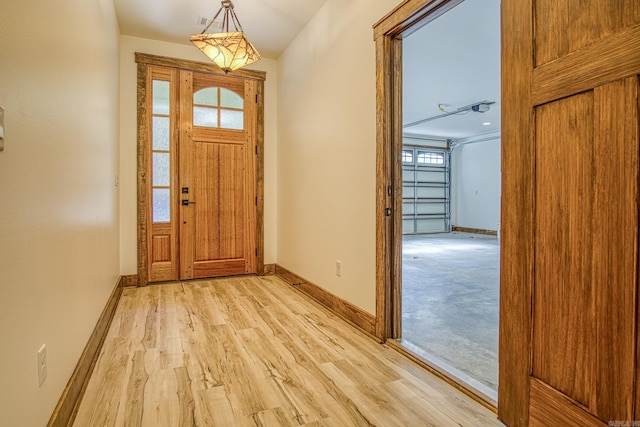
x,y
199,174
569,286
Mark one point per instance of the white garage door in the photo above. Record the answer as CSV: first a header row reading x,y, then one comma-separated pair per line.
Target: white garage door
x,y
426,190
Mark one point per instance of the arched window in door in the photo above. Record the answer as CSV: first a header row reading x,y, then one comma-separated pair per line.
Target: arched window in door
x,y
220,108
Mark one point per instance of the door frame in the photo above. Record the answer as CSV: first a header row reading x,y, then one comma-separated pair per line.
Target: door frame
x,y
144,60
405,19
401,22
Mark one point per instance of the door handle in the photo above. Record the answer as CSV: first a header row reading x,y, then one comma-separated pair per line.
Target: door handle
x,y
186,202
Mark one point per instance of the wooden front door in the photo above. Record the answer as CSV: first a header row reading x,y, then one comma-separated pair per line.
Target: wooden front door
x,y
569,285
217,176
199,165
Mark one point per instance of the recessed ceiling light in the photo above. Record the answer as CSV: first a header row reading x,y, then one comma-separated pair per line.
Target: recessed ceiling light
x,y
486,123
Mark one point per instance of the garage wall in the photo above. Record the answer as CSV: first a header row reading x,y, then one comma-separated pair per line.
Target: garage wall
x,y
475,180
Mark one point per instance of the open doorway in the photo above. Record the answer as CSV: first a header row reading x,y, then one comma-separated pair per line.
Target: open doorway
x,y
446,286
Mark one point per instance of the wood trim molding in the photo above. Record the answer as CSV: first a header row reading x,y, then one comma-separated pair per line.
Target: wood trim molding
x,y
260,178
384,180
65,411
518,206
129,280
411,15
388,32
141,180
208,67
269,270
336,305
474,230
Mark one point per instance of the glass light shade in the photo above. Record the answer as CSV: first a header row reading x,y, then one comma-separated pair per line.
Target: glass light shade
x,y
228,51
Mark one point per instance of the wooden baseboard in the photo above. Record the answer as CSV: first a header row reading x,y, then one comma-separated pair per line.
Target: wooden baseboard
x,y
129,280
65,411
269,269
474,230
337,305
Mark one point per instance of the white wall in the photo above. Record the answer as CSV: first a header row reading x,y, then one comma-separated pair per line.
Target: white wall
x,y
59,204
128,140
475,185
327,149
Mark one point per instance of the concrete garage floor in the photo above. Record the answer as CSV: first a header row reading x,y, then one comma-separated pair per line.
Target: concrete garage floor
x,y
450,290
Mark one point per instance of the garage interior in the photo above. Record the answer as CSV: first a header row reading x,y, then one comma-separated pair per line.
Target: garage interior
x,y
451,194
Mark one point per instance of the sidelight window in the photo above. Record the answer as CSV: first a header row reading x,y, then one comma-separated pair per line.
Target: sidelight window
x,y
160,153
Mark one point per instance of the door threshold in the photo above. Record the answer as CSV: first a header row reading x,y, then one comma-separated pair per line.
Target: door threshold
x,y
456,378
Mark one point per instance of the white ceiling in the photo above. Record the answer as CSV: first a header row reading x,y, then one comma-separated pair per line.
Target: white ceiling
x,y
454,60
270,24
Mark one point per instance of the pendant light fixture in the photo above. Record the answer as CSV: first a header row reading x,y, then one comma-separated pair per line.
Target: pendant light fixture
x,y
229,50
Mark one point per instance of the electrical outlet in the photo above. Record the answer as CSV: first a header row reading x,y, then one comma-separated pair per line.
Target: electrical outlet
x,y
42,364
339,268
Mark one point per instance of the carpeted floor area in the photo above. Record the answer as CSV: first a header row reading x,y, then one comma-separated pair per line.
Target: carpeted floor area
x,y
450,291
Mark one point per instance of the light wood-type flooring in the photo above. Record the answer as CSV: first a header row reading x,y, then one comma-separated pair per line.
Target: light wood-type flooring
x,y
253,351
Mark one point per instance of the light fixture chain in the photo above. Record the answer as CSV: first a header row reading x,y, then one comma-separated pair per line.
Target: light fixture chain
x,y
236,21
212,21
225,21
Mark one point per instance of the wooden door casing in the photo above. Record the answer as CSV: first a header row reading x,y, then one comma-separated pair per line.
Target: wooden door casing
x,y
569,284
158,243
